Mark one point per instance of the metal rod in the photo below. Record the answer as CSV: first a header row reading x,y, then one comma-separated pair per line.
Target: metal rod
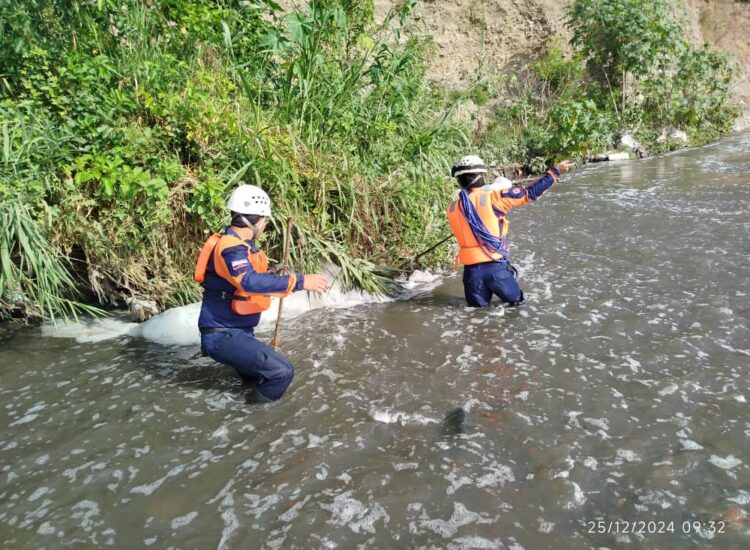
x,y
433,247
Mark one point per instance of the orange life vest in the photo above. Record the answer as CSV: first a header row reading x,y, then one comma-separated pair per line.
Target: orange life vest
x,y
243,302
469,251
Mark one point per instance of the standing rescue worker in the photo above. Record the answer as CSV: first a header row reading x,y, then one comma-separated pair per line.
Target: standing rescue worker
x,y
237,288
478,221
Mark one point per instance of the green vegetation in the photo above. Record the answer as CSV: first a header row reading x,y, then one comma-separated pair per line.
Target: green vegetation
x,y
631,69
125,124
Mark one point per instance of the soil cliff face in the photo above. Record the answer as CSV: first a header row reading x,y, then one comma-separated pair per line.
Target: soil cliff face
x,y
723,25
505,35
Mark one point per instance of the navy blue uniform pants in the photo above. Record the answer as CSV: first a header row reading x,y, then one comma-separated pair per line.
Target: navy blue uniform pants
x,y
482,281
252,359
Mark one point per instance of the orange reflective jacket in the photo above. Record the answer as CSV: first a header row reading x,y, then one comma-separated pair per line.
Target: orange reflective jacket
x,y
243,302
491,206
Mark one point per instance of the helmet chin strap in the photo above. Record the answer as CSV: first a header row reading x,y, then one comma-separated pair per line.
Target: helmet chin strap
x,y
477,177
250,226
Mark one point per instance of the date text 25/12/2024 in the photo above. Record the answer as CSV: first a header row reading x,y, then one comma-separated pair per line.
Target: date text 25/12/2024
x,y
654,527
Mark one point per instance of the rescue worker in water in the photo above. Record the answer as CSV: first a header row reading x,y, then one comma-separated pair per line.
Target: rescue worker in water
x,y
237,288
479,223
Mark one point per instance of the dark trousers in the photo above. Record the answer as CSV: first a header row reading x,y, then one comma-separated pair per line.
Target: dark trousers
x,y
252,359
483,280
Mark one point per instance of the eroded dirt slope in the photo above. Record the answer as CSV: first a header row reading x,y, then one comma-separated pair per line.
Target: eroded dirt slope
x,y
505,35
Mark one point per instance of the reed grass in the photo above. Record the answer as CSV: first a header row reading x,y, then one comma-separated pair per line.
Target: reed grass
x,y
30,269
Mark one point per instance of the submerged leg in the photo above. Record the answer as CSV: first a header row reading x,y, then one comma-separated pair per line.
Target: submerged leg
x,y
504,284
454,421
253,360
475,291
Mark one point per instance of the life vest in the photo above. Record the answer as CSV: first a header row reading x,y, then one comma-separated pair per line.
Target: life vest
x,y
243,302
470,252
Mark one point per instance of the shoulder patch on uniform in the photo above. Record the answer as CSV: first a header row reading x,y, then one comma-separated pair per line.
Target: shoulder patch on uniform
x,y
515,192
236,259
238,266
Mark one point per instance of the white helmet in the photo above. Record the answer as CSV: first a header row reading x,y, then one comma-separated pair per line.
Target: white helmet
x,y
470,164
250,200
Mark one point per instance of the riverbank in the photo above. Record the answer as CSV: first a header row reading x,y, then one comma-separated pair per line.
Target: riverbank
x,y
125,128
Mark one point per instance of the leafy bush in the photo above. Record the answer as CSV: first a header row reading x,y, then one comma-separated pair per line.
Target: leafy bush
x,y
126,125
625,36
637,50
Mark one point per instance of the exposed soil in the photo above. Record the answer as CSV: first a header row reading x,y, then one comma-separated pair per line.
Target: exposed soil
x,y
506,35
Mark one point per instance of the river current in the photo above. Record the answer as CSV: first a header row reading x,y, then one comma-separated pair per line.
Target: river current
x,y
611,409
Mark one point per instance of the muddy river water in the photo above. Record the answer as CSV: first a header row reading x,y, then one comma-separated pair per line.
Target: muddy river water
x,y
609,410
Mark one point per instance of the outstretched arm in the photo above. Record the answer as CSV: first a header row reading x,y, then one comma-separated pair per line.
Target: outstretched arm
x,y
244,277
537,189
518,195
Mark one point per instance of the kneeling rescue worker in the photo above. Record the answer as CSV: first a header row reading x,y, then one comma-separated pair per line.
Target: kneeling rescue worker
x,y
237,288
478,221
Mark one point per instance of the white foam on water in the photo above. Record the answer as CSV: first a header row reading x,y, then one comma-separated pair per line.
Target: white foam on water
x,y
293,512
742,498
393,417
86,510
24,420
499,474
578,497
598,422
590,462
181,521
690,445
461,516
179,326
627,455
669,390
148,488
90,330
46,529
475,541
727,463
348,511
38,493
422,281
545,526
401,466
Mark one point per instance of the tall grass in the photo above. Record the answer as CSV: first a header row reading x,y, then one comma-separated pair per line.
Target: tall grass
x,y
133,121
30,269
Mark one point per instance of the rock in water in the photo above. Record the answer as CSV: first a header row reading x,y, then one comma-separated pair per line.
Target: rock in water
x,y
142,309
454,421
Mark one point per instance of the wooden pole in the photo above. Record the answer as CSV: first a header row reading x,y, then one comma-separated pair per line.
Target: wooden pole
x,y
285,265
